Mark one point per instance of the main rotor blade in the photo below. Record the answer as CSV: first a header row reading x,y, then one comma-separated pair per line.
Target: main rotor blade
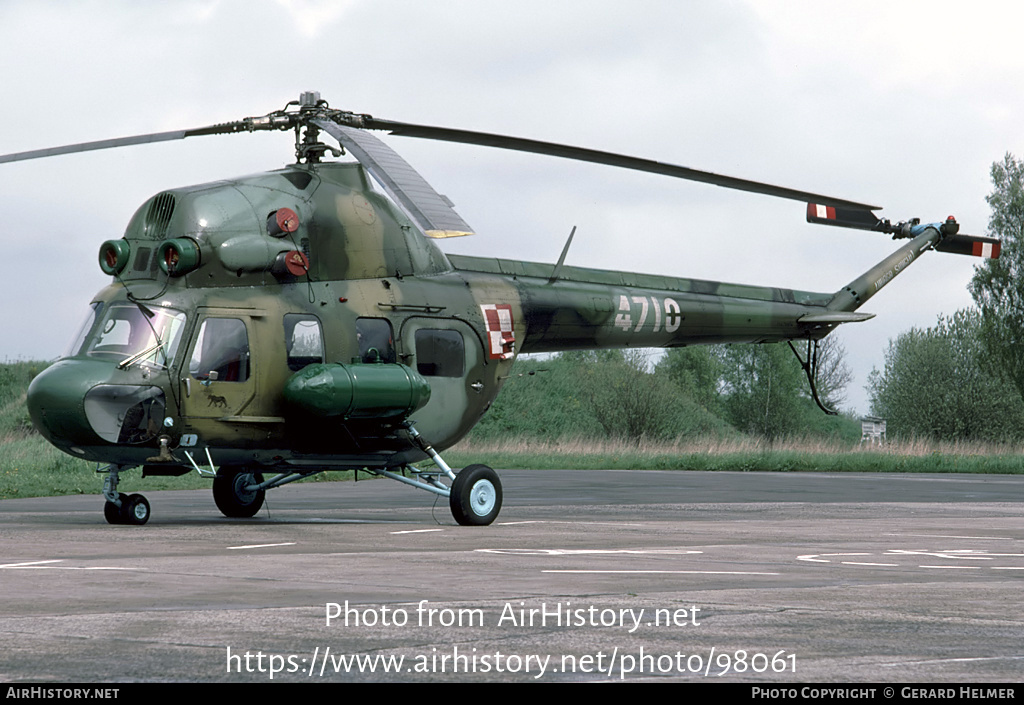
x,y
90,146
221,128
601,157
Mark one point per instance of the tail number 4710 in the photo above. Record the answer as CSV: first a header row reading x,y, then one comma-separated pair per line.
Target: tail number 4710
x,y
660,311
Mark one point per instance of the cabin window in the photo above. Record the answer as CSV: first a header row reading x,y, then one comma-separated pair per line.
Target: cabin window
x,y
303,339
376,341
221,352
440,353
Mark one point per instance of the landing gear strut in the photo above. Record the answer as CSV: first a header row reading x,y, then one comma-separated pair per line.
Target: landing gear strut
x,y
475,493
121,508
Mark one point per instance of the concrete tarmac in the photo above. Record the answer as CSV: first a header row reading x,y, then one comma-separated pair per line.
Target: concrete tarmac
x,y
585,576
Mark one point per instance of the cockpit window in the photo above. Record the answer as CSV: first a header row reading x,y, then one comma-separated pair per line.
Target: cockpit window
x,y
90,321
135,335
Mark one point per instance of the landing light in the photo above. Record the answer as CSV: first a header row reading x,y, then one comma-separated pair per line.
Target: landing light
x,y
178,256
114,256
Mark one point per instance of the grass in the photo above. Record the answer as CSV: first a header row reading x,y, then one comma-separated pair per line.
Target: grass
x,y
791,455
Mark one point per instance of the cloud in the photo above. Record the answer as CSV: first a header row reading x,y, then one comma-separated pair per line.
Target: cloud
x,y
313,17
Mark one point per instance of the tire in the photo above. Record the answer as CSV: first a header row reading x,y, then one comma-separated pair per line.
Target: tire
x,y
475,497
231,497
135,510
112,512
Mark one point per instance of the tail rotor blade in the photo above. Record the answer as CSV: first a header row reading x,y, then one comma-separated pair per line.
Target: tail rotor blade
x,y
842,216
974,245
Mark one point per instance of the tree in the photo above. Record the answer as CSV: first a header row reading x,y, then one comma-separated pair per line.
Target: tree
x,y
762,388
696,371
998,284
934,385
540,399
628,401
909,392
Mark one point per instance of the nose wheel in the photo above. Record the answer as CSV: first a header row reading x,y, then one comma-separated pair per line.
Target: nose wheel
x,y
133,509
121,508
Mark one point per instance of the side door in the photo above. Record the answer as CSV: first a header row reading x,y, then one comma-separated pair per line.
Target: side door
x,y
220,375
449,355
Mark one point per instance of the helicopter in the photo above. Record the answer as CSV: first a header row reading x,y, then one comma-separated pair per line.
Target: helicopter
x,y
261,330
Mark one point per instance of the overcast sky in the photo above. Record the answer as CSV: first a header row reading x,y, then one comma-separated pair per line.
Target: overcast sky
x,y
902,104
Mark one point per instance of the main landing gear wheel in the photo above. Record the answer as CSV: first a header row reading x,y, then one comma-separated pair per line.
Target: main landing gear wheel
x,y
134,509
112,512
475,496
229,492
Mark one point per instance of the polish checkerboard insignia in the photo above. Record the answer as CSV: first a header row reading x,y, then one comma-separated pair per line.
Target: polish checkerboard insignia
x,y
498,318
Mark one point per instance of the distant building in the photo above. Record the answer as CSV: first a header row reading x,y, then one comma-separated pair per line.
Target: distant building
x,y
872,430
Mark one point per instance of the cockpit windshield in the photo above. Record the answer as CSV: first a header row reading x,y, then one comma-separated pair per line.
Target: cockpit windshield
x,y
129,334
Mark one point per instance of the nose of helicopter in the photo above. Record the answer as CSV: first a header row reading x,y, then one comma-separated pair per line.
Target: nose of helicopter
x,y
56,399
75,405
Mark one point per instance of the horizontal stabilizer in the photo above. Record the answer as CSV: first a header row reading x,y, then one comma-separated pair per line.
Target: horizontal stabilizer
x,y
835,317
842,217
974,245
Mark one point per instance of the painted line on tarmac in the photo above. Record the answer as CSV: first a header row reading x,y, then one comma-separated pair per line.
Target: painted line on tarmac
x,y
663,572
954,536
48,565
322,520
260,545
963,554
964,659
958,555
817,557
589,551
574,523
416,531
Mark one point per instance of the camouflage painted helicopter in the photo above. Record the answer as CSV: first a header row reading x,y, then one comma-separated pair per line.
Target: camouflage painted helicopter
x,y
292,322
